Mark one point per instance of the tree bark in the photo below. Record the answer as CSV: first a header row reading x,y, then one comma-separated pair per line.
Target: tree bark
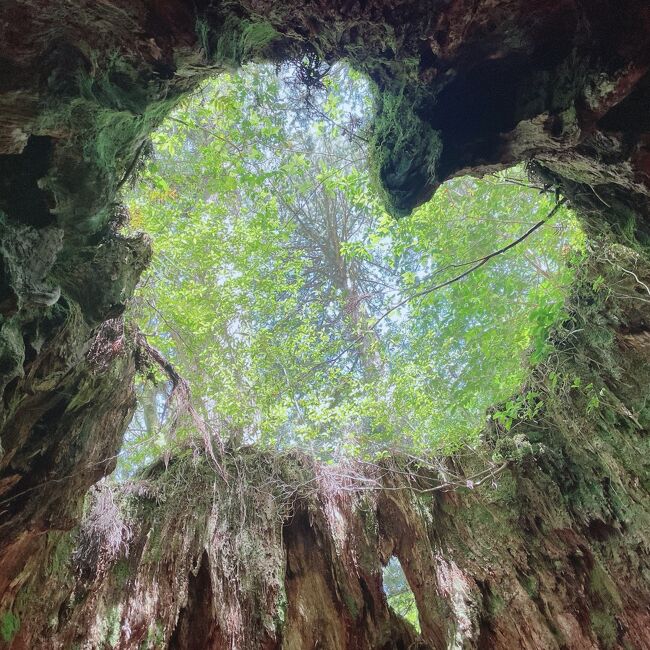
x,y
555,557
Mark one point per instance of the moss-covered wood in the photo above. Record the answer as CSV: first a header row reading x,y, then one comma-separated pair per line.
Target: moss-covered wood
x,y
555,556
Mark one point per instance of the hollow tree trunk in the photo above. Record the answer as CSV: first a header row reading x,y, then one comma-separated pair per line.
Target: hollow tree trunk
x,y
556,556
275,551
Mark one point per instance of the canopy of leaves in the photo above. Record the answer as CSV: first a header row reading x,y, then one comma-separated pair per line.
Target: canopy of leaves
x,y
299,311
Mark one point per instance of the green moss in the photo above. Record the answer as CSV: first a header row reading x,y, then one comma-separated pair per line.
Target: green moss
x,y
350,604
153,550
512,448
108,112
110,629
122,572
604,627
602,586
12,353
236,41
118,87
494,605
404,151
281,611
155,637
9,626
531,585
61,555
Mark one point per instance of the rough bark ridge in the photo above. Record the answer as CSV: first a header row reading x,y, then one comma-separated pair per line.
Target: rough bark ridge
x,y
462,87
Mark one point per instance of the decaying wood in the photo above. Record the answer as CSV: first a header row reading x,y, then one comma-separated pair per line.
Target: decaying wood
x,y
555,556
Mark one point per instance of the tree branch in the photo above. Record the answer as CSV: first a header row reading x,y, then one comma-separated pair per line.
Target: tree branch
x,y
479,263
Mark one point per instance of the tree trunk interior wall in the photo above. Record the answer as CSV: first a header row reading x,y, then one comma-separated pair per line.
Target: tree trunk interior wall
x,y
555,556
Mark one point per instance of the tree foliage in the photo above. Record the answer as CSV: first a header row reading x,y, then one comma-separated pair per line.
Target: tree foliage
x,y
299,311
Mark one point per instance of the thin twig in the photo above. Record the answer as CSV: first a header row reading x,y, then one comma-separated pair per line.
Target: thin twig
x,y
479,263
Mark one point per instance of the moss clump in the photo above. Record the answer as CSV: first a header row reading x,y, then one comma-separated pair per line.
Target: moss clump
x,y
12,354
608,602
530,585
236,41
495,605
110,116
9,626
404,151
122,572
516,448
602,586
155,637
604,627
61,555
282,606
111,627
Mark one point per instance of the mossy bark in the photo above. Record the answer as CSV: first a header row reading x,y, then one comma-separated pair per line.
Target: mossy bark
x,y
554,557
265,550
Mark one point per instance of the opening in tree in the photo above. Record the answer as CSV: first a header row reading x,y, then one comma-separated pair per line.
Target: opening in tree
x,y
312,397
